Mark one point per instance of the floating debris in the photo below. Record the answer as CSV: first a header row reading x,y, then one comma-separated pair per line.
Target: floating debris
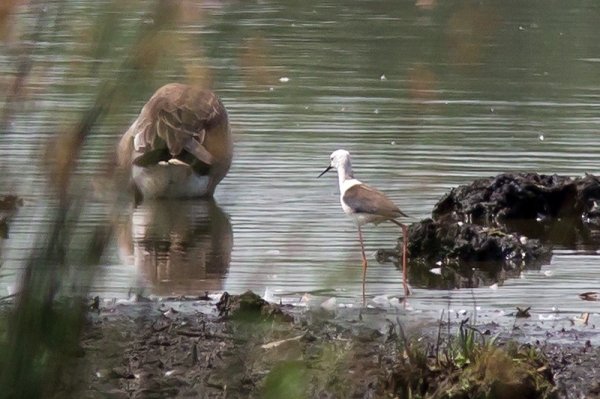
x,y
585,317
589,296
275,344
523,313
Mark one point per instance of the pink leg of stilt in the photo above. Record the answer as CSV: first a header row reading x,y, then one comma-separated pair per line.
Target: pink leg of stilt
x,y
364,263
404,245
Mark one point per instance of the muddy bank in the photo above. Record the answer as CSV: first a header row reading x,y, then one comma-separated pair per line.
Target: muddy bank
x,y
494,228
149,350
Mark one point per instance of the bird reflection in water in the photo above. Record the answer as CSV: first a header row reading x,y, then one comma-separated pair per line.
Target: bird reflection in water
x,y
181,247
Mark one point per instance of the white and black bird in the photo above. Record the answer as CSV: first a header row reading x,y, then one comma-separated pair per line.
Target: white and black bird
x,y
365,204
180,145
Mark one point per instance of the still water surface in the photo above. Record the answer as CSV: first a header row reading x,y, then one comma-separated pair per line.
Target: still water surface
x,y
425,98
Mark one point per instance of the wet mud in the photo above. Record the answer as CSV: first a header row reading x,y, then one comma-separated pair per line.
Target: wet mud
x,y
151,350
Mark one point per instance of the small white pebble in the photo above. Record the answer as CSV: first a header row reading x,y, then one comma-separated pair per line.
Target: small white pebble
x,y
439,263
329,304
524,240
284,79
268,296
306,297
541,137
393,143
376,111
215,296
460,224
383,78
271,89
549,273
381,300
494,286
436,270
12,289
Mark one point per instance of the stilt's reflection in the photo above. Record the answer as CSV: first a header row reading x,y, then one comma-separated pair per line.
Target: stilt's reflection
x,y
181,247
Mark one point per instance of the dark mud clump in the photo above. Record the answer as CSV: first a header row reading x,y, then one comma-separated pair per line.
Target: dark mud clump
x,y
464,242
250,307
468,255
501,225
555,209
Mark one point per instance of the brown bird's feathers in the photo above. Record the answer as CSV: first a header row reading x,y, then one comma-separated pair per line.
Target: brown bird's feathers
x,y
180,125
364,199
176,118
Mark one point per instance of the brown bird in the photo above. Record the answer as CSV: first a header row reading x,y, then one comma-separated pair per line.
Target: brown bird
x,y
180,145
364,204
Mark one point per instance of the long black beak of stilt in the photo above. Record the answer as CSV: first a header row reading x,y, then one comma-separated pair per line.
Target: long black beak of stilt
x,y
325,171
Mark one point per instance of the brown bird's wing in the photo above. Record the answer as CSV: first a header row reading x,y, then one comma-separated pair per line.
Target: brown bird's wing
x,y
177,118
365,199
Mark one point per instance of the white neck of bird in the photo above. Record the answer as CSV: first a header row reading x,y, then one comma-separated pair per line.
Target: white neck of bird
x,y
345,173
